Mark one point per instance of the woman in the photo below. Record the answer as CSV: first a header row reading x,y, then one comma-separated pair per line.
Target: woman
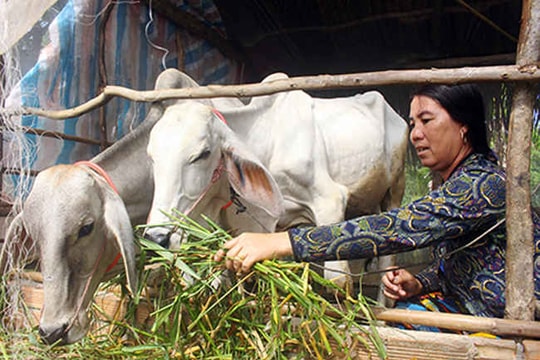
x,y
449,135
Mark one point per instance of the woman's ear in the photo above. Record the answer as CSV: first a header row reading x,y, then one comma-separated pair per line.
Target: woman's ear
x,y
464,132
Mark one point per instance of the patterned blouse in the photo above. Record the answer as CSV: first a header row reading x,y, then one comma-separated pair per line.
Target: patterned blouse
x,y
466,205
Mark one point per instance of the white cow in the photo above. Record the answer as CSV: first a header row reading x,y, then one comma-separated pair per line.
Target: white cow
x,y
332,158
217,176
81,223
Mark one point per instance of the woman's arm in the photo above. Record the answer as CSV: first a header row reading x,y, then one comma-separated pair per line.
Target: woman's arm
x,y
429,278
465,203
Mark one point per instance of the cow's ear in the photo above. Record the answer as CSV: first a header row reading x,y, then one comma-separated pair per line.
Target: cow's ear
x,y
14,234
18,247
252,181
118,224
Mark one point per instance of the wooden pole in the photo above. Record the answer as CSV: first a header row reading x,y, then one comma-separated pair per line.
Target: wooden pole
x,y
58,135
2,96
520,298
503,73
460,322
102,73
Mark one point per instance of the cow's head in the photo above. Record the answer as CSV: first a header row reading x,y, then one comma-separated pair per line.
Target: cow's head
x,y
197,159
80,225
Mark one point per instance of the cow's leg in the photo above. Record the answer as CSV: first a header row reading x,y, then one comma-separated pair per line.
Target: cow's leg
x,y
391,200
339,273
328,208
382,263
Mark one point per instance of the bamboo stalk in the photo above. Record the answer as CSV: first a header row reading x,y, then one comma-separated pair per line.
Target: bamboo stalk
x,y
102,73
503,73
520,296
495,326
58,135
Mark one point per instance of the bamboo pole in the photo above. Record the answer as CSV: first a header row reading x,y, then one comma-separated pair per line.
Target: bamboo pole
x,y
2,96
503,73
102,73
520,297
59,135
495,326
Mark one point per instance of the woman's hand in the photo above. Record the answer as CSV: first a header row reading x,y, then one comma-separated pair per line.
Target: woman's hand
x,y
242,252
400,284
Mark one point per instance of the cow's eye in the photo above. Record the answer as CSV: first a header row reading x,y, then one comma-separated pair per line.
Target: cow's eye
x,y
85,230
205,154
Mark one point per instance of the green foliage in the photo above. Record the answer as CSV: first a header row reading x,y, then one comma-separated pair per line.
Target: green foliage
x,y
274,312
417,178
535,168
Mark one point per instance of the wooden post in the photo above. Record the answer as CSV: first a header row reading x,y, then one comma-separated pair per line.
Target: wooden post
x,y
102,74
520,299
2,96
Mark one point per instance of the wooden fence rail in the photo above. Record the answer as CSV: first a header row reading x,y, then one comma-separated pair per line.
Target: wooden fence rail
x,y
504,73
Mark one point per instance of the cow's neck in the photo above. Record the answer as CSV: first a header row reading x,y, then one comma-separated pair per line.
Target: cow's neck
x,y
128,165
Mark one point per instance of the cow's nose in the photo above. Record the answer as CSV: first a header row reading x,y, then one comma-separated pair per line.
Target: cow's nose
x,y
55,335
158,235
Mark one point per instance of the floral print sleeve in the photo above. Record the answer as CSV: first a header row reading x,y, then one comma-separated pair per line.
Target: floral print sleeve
x,y
429,278
465,205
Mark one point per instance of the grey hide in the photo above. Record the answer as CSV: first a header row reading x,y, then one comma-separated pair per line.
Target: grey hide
x,y
80,225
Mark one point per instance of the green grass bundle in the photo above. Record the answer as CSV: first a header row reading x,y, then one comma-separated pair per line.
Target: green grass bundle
x,y
277,311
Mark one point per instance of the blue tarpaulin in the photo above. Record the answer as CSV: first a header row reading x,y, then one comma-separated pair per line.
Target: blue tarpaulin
x,y
137,46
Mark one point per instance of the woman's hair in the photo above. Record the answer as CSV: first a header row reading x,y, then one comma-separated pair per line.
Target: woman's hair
x,y
464,103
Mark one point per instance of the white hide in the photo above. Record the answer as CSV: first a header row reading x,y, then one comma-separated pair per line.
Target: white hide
x,y
213,161
179,186
331,158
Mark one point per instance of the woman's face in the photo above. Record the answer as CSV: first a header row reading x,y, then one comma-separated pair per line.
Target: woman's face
x,y
437,137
